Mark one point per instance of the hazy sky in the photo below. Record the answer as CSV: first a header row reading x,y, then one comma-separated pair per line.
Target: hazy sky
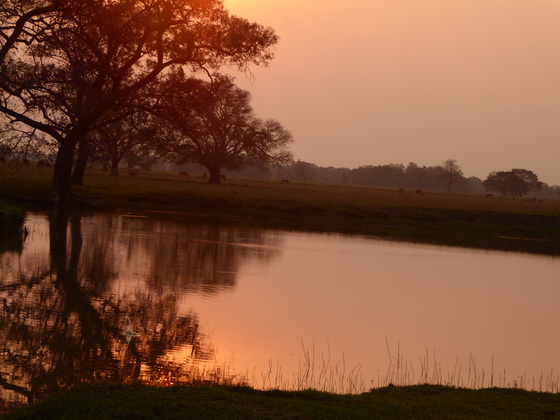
x,y
372,82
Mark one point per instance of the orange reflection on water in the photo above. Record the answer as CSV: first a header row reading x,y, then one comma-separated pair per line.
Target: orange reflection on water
x,y
274,308
377,302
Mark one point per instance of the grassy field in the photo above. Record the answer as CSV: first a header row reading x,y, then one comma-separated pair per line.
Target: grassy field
x,y
223,402
452,219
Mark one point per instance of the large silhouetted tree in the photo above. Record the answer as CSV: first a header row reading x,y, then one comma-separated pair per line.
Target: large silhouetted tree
x,y
64,64
216,126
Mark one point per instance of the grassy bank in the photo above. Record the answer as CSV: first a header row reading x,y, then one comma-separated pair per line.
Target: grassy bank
x,y
451,219
221,402
11,218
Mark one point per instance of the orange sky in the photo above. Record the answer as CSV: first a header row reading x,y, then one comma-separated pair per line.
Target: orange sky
x,y
394,81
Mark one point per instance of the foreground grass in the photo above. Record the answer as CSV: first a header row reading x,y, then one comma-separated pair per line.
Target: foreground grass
x,y
223,402
451,219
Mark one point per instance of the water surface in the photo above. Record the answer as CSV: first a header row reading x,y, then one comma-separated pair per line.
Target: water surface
x,y
121,298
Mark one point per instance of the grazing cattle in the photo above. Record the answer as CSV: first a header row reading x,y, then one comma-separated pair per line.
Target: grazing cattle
x,y
419,192
43,164
284,181
185,174
532,199
401,191
489,196
26,162
222,177
2,159
132,173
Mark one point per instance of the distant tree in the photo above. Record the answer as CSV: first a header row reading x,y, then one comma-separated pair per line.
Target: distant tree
x,y
362,175
215,126
497,181
472,185
516,182
422,177
555,191
303,172
134,139
391,175
414,176
333,175
451,173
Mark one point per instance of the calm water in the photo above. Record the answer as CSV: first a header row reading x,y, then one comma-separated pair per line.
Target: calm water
x,y
114,297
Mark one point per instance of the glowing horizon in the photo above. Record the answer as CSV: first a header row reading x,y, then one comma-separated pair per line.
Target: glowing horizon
x,y
397,82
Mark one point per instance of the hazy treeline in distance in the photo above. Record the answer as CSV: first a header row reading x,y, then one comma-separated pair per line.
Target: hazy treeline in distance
x,y
412,176
397,176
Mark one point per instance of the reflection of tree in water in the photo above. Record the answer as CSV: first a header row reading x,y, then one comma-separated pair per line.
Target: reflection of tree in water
x,y
191,257
59,326
207,258
204,258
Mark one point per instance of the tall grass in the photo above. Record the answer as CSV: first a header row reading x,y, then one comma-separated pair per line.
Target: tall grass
x,y
319,371
428,371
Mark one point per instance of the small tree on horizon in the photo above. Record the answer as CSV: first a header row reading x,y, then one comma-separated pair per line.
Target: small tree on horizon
x,y
516,182
451,173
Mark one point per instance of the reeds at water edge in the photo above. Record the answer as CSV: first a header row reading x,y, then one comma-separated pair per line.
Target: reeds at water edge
x,y
402,373
316,371
319,371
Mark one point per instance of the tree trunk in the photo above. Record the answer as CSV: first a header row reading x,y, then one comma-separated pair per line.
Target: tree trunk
x,y
65,261
214,175
80,168
115,166
61,190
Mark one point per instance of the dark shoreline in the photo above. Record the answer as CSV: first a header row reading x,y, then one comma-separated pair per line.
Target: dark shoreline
x,y
227,402
500,231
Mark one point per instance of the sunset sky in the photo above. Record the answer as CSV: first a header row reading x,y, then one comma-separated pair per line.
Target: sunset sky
x,y
373,82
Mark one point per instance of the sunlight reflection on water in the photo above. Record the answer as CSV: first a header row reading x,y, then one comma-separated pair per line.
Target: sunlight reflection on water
x,y
342,313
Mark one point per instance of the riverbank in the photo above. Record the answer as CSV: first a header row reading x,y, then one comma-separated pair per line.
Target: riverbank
x,y
465,220
224,402
11,218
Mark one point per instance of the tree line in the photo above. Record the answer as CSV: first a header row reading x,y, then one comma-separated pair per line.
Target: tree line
x,y
442,178
96,80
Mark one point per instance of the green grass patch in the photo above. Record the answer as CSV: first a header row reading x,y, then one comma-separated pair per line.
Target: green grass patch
x,y
226,402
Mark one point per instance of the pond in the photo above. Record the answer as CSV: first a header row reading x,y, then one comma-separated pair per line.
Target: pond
x,y
123,298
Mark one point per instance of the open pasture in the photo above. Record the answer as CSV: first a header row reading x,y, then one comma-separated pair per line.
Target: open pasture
x,y
176,192
273,192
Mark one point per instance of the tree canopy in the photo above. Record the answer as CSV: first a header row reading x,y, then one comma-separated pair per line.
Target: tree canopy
x,y
216,127
451,173
516,182
64,64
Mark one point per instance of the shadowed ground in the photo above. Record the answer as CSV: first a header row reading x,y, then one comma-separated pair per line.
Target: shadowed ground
x,y
221,402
